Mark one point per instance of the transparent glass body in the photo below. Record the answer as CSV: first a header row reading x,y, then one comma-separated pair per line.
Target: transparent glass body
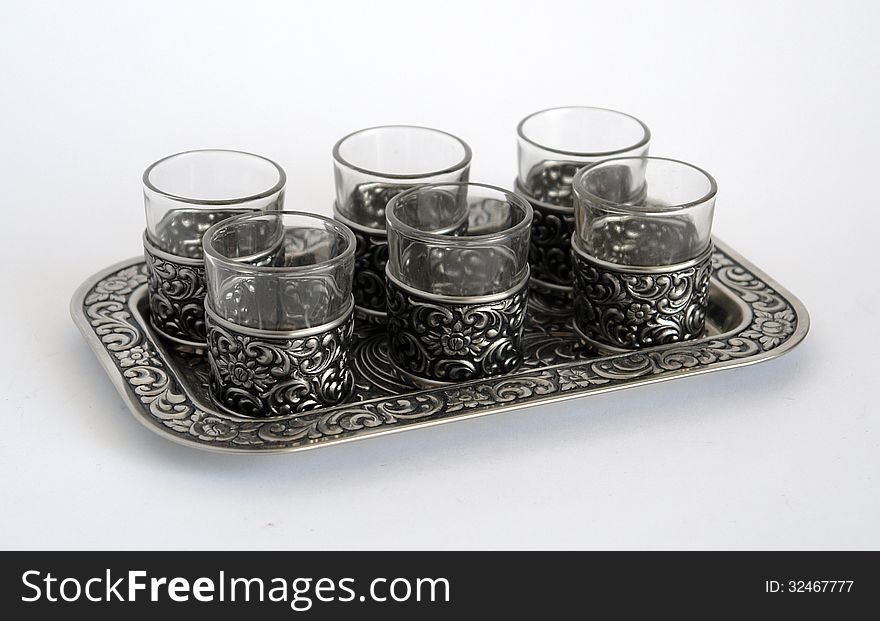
x,y
553,144
373,165
644,211
460,239
279,270
186,193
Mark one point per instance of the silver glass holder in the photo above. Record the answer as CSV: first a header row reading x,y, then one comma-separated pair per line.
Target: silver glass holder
x,y
436,339
177,291
371,256
550,253
621,307
264,373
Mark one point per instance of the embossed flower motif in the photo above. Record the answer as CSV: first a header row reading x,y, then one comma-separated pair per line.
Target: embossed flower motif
x,y
571,379
141,355
639,313
458,339
467,397
213,428
241,371
771,328
118,286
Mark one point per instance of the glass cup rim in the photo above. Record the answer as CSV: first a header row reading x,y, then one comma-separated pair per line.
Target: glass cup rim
x,y
646,136
625,208
346,233
396,224
463,163
277,187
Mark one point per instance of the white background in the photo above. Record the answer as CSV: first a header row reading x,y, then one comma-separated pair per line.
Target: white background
x,y
778,100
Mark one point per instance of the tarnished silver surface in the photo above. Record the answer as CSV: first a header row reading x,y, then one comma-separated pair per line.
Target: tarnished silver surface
x,y
370,258
262,374
177,295
625,307
750,319
550,182
442,339
550,251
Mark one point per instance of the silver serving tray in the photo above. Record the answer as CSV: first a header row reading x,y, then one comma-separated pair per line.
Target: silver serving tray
x,y
750,319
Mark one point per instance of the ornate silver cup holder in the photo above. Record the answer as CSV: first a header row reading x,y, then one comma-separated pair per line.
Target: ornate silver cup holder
x,y
750,319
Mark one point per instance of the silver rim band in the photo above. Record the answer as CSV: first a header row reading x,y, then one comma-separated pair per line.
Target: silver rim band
x,y
279,334
454,299
167,256
641,269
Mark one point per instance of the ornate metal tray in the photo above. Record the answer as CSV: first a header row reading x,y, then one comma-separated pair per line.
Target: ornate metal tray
x,y
750,319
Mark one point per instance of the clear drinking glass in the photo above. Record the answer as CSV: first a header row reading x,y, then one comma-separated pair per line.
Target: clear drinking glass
x,y
279,270
644,211
642,252
457,279
374,164
279,312
186,193
553,144
370,167
459,240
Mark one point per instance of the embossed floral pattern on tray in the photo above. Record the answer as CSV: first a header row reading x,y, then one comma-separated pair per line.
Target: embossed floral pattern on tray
x,y
153,387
